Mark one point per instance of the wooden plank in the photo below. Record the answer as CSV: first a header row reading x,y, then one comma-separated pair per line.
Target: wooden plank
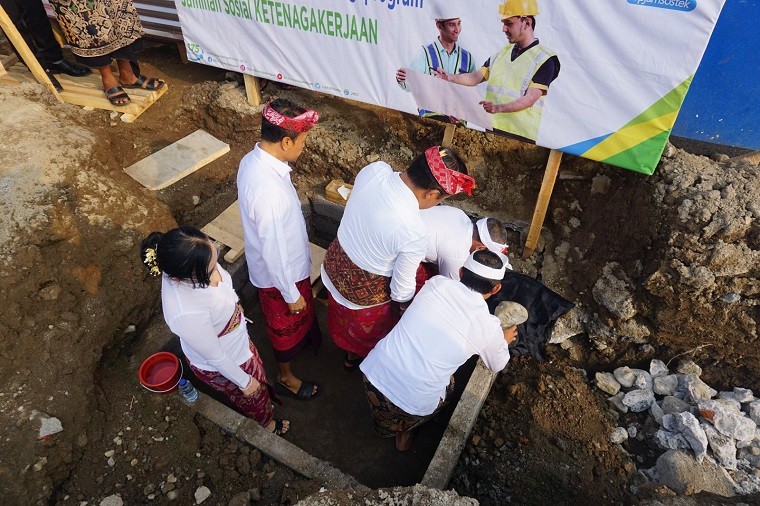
x,y
542,204
333,195
31,62
317,257
448,135
177,160
227,228
2,69
252,90
148,100
182,51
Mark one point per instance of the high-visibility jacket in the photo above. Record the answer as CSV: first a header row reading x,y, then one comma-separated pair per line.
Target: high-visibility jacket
x,y
509,80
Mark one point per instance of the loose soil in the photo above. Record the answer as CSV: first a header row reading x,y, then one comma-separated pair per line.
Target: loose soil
x,y
78,311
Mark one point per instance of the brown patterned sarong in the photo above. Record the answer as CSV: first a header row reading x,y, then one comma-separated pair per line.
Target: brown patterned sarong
x,y
388,419
354,283
259,405
98,27
288,331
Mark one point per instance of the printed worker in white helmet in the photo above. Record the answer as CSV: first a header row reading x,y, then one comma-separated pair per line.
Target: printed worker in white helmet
x,y
518,76
452,236
443,54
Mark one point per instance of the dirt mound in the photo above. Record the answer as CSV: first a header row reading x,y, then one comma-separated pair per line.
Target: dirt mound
x,y
67,285
658,266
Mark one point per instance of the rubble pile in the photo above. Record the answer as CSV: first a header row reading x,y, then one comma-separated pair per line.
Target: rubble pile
x,y
710,439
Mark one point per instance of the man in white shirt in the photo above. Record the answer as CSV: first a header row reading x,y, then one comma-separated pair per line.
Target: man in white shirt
x,y
276,243
408,376
381,241
452,236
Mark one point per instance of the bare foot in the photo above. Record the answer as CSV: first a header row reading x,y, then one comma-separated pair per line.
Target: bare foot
x,y
278,427
404,441
294,385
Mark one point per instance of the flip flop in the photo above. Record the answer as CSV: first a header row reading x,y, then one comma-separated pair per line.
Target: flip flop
x,y
352,364
305,393
146,83
278,428
115,93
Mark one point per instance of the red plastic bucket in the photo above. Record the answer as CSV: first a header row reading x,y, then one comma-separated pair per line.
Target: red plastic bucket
x,y
160,372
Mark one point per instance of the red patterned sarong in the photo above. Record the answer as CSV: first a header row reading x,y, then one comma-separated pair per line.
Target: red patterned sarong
x,y
285,329
359,330
259,405
425,271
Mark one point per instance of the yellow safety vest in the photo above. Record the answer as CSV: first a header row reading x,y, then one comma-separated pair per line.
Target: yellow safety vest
x,y
509,80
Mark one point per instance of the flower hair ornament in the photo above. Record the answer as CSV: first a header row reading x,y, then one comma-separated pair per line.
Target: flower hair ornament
x,y
151,260
451,181
301,123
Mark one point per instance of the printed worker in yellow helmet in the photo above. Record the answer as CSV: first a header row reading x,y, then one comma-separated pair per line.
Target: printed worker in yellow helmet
x,y
518,76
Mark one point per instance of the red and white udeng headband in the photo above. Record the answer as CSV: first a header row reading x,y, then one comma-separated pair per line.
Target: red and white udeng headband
x,y
451,181
301,123
483,270
485,238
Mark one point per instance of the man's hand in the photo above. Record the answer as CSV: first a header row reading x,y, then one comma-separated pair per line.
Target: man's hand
x,y
510,334
490,107
252,388
297,306
401,75
441,74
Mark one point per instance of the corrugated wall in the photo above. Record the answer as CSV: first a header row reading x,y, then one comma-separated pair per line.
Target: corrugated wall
x,y
159,18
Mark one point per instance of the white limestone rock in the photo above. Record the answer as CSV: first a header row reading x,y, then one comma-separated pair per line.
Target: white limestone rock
x,y
617,401
741,395
680,472
696,389
688,426
658,368
625,376
723,447
727,419
670,440
657,413
754,411
201,494
665,385
606,382
728,397
112,500
643,380
618,435
638,400
688,367
671,404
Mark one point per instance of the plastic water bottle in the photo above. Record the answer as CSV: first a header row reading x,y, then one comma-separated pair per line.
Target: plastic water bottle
x,y
188,391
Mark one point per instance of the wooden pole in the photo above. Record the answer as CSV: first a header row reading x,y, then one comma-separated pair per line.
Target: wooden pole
x,y
448,135
542,204
26,54
252,92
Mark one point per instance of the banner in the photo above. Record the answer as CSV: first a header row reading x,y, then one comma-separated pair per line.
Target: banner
x,y
605,79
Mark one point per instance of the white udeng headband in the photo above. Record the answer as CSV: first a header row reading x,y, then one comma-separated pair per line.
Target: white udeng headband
x,y
485,238
483,270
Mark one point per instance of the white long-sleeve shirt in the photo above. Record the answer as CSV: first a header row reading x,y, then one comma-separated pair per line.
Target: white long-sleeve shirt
x,y
276,243
382,231
443,327
449,238
197,316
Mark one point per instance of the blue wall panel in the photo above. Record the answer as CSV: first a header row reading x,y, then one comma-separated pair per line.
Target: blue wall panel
x,y
723,102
